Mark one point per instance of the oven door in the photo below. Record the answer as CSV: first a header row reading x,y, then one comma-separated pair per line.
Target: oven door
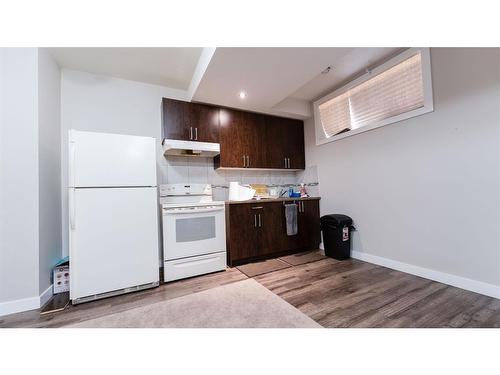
x,y
193,231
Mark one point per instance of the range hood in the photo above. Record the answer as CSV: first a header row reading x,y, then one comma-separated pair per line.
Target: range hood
x,y
190,148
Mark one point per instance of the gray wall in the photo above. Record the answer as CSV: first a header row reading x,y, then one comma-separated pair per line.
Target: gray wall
x,y
49,165
30,174
426,191
18,175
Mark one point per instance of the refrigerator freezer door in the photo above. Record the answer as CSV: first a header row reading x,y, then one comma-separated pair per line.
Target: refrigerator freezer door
x,y
113,239
108,160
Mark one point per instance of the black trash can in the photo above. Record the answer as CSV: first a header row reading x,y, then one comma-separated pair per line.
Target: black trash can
x,y
337,235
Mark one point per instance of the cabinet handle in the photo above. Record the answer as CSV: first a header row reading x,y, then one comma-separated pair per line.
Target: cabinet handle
x,y
195,134
244,162
248,161
288,159
260,221
255,220
191,133
284,162
257,208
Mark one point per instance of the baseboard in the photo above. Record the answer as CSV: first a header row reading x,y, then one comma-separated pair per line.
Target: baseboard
x,y
442,277
19,305
46,295
25,304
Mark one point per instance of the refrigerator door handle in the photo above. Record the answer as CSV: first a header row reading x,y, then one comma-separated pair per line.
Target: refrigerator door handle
x,y
72,213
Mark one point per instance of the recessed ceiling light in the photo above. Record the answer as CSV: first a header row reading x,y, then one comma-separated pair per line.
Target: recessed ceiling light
x,y
243,94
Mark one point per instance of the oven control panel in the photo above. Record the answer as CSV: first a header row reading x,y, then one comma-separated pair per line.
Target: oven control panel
x,y
185,189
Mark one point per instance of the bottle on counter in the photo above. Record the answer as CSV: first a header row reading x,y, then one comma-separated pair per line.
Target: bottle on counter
x,y
303,192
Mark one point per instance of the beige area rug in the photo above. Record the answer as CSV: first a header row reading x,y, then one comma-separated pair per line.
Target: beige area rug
x,y
303,258
259,268
244,304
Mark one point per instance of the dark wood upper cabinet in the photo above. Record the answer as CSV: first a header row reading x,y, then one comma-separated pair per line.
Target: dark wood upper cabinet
x,y
236,137
187,121
294,143
287,138
259,144
275,133
204,120
174,124
247,139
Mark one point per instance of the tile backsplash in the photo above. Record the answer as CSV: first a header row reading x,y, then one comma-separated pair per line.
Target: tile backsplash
x,y
180,169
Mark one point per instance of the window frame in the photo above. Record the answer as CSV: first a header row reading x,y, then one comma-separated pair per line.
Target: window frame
x,y
427,87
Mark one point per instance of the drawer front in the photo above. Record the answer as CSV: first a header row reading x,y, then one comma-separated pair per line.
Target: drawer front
x,y
199,265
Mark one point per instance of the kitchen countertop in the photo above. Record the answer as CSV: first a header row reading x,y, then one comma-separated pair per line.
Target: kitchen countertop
x,y
269,200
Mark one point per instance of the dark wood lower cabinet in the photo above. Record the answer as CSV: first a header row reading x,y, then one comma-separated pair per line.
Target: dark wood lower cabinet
x,y
257,230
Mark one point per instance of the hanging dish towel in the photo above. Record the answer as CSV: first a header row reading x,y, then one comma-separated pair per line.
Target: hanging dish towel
x,y
291,219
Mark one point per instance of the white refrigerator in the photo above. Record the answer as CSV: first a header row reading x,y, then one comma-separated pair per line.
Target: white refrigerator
x,y
113,214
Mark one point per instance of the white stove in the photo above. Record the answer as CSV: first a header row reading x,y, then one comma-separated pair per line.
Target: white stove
x,y
194,233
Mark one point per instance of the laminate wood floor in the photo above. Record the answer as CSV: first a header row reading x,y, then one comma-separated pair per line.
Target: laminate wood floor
x,y
349,293
353,293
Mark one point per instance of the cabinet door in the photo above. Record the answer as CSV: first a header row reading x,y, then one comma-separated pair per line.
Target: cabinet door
x,y
309,225
275,142
174,122
270,229
204,121
244,240
293,136
284,143
235,138
257,143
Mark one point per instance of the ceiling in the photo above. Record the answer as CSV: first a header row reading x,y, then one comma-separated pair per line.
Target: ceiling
x,y
172,67
281,81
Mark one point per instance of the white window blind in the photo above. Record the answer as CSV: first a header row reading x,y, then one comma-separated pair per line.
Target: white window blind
x,y
335,115
395,91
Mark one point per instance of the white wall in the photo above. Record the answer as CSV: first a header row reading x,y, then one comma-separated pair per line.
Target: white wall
x,y
49,165
426,191
105,104
18,178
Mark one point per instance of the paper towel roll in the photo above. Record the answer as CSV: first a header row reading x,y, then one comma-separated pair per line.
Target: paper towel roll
x,y
234,188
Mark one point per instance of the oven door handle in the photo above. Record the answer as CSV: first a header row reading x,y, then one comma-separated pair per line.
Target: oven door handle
x,y
195,211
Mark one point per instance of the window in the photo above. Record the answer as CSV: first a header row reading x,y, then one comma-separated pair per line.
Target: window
x,y
396,90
